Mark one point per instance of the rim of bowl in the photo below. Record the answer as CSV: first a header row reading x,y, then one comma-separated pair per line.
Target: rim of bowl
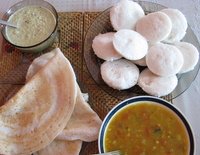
x,y
156,100
55,28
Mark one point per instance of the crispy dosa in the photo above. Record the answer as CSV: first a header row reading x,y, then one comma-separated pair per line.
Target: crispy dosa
x,y
40,110
84,123
61,147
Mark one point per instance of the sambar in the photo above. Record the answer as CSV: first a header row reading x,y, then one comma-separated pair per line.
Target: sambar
x,y
146,128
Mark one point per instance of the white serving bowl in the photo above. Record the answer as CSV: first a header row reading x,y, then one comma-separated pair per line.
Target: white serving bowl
x,y
44,43
146,101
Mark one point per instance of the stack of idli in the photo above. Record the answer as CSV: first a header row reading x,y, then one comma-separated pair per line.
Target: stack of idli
x,y
152,40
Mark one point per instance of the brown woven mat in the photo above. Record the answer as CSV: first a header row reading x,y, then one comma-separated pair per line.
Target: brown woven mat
x,y
72,29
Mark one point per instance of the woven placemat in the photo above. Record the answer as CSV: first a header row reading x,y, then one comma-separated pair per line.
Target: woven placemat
x,y
72,29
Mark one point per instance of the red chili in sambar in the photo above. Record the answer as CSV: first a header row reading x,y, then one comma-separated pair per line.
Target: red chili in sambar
x,y
146,129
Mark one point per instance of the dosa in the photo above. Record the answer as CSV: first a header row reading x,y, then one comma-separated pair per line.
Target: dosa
x,y
61,147
83,125
40,110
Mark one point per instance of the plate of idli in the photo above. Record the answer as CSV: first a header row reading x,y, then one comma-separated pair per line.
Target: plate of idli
x,y
141,48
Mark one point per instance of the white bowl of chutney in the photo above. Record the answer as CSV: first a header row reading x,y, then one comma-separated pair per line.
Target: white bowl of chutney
x,y
146,125
37,23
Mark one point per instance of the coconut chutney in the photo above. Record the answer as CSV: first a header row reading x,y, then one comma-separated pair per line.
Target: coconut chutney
x,y
34,25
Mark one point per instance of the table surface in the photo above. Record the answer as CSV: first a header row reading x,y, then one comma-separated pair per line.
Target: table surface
x,y
188,102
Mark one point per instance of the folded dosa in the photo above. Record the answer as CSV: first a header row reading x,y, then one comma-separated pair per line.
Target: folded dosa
x,y
61,147
40,110
84,123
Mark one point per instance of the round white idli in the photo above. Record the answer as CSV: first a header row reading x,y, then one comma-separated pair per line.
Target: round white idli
x,y
142,62
125,14
120,74
156,85
130,44
155,26
164,60
179,25
190,56
103,47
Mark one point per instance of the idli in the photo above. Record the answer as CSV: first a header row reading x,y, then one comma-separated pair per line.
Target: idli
x,y
130,44
164,60
155,26
103,47
190,56
142,62
125,14
179,25
120,74
157,85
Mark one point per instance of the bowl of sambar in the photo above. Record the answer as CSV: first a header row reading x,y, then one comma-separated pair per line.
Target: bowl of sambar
x,y
146,125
